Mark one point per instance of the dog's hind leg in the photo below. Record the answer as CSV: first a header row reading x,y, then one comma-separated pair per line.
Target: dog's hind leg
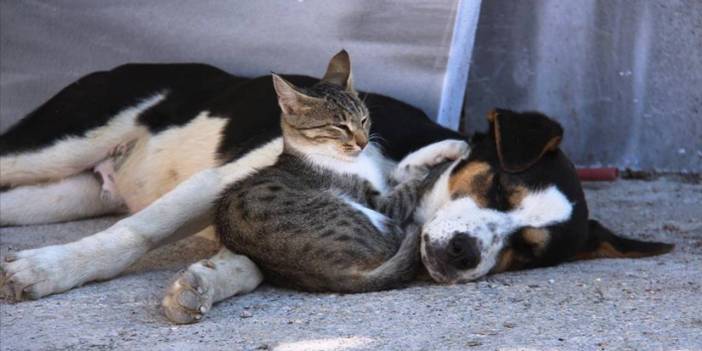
x,y
75,197
183,211
39,272
206,282
69,154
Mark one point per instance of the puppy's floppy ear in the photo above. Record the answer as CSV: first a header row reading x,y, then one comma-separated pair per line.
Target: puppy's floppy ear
x,y
339,71
523,138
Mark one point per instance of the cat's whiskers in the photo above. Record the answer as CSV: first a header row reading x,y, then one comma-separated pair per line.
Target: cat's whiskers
x,y
375,138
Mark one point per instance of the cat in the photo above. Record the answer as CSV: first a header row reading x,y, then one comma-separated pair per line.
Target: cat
x,y
325,216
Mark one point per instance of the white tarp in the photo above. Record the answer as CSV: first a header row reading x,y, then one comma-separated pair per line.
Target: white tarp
x,y
398,48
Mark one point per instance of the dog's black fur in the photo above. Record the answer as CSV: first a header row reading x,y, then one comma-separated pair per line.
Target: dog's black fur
x,y
523,155
91,101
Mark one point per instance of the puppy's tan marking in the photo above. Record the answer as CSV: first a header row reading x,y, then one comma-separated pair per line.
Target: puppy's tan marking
x,y
517,194
472,180
504,262
538,238
606,250
509,260
491,116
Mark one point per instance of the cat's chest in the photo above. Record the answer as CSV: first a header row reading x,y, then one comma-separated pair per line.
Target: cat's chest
x,y
369,169
370,166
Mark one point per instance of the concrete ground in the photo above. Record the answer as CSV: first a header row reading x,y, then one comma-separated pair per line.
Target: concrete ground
x,y
609,304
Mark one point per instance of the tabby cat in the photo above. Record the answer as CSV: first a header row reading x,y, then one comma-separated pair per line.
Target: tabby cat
x,y
323,217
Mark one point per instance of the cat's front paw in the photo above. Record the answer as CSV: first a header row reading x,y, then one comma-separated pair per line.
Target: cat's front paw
x,y
417,164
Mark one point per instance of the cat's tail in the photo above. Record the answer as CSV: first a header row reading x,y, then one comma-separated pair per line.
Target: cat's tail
x,y
400,268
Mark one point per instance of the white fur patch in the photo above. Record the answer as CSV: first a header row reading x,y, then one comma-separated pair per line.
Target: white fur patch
x,y
68,199
256,159
436,198
490,227
369,165
378,219
543,208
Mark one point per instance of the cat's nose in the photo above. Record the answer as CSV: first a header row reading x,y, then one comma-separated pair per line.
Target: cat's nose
x,y
361,140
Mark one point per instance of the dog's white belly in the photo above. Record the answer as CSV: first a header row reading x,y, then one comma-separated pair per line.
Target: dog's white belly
x,y
158,163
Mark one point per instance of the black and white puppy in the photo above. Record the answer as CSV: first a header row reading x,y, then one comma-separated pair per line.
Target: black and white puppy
x,y
515,203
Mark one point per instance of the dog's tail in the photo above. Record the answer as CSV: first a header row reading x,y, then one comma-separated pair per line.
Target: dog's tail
x,y
399,269
603,243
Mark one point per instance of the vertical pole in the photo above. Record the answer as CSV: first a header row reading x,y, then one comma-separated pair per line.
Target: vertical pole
x,y
456,78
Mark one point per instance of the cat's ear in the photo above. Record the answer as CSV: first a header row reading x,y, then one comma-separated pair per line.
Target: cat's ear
x,y
339,71
290,99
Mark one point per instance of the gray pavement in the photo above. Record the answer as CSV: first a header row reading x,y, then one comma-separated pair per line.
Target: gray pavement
x,y
609,304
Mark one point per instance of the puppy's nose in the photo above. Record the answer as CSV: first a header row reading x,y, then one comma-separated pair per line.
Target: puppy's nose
x,y
462,251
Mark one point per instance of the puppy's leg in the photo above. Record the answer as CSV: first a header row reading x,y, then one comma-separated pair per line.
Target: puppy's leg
x,y
72,198
73,154
183,211
417,164
39,272
204,283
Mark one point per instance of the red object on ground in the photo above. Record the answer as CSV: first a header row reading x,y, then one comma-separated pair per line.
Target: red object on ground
x,y
598,174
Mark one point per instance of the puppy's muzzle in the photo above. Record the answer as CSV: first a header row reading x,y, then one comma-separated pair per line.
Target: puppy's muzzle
x,y
462,252
446,260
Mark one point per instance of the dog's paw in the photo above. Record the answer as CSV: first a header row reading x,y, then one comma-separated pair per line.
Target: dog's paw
x,y
447,150
418,163
189,297
32,274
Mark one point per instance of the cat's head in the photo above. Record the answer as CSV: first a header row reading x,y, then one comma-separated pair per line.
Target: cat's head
x,y
327,119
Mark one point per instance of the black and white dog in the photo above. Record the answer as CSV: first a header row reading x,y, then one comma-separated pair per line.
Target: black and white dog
x,y
166,139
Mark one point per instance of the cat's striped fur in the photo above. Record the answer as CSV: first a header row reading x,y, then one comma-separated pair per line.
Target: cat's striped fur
x,y
305,227
313,222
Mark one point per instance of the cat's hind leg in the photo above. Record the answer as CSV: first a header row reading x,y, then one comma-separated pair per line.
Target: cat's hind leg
x,y
206,282
75,197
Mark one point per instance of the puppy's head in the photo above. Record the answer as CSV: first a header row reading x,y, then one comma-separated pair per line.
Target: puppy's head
x,y
516,203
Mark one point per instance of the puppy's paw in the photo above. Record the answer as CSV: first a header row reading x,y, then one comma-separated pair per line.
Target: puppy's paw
x,y
32,274
417,164
447,150
190,296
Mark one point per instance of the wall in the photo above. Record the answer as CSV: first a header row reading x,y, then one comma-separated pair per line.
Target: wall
x,y
623,77
397,47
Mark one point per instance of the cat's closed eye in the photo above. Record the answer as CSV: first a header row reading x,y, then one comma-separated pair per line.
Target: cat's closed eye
x,y
343,128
